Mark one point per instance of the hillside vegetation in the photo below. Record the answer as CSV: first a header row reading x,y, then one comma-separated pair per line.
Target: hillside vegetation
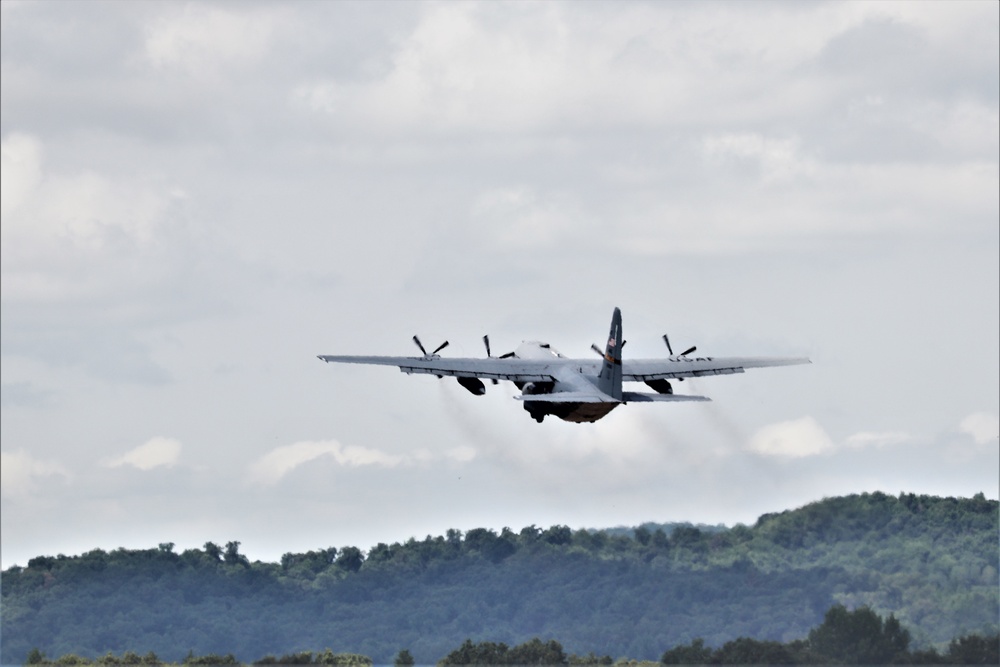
x,y
931,562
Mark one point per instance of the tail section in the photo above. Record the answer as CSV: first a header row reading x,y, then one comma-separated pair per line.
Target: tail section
x,y
610,379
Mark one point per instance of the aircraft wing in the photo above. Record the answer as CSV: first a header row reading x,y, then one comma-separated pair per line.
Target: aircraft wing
x,y
598,397
543,370
491,368
640,370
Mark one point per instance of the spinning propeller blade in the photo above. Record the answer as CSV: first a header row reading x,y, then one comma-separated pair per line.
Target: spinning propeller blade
x,y
436,350
671,350
486,342
420,345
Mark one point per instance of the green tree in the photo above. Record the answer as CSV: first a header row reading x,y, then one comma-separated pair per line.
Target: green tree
x,y
975,650
328,657
529,534
210,659
233,555
483,653
858,637
403,659
537,652
558,535
660,540
745,651
350,559
300,658
213,550
695,653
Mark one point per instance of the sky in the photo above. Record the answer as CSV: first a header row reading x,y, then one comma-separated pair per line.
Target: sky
x,y
199,198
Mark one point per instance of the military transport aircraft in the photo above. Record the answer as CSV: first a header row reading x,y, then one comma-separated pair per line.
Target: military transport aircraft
x,y
575,390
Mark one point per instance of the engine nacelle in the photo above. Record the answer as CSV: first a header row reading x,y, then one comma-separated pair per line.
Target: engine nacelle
x,y
474,385
661,386
539,387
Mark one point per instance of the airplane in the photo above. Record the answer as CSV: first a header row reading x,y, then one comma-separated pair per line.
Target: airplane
x,y
574,390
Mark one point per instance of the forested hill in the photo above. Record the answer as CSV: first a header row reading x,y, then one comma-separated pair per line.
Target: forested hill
x,y
931,561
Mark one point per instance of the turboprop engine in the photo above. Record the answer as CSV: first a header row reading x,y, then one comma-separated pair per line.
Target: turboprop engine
x,y
474,385
661,386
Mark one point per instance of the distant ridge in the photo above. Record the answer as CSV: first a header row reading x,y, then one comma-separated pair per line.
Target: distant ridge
x,y
930,561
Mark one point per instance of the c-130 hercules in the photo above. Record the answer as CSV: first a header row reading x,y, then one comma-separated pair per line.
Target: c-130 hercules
x,y
575,390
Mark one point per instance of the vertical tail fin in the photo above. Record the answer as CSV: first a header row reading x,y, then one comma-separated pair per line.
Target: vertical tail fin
x,y
610,379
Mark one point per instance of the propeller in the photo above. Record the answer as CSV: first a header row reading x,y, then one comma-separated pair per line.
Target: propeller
x,y
486,342
671,350
436,350
600,352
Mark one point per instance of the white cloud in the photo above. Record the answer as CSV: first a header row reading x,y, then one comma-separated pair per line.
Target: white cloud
x,y
982,426
792,439
277,463
158,451
20,474
629,446
777,160
63,233
517,217
489,67
462,454
867,439
20,172
45,208
201,37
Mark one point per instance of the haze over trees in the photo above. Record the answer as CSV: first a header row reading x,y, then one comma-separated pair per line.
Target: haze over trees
x,y
929,565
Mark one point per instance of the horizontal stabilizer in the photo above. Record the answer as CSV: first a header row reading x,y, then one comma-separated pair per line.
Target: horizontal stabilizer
x,y
567,397
642,397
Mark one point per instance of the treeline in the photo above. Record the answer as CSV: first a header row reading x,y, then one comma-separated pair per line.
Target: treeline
x,y
932,562
858,637
131,658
